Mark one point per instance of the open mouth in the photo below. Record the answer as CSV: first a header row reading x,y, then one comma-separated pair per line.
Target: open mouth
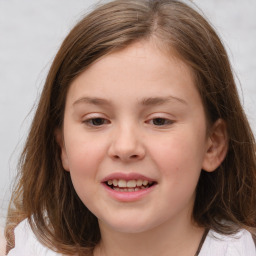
x,y
129,185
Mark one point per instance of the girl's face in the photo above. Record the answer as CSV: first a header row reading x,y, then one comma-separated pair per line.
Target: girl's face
x,y
135,139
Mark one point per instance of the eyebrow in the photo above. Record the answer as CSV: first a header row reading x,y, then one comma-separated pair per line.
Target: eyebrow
x,y
151,101
161,100
92,100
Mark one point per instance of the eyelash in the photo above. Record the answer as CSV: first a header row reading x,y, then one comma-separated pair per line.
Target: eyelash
x,y
165,120
103,121
90,121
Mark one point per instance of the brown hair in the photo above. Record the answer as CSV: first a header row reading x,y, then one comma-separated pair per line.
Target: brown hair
x,y
225,199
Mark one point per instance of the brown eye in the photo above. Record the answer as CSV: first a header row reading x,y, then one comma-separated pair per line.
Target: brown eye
x,y
96,121
161,121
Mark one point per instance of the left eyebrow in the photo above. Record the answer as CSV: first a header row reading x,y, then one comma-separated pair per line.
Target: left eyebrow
x,y
161,100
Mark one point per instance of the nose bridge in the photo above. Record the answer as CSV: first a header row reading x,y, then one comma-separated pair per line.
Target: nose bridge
x,y
127,143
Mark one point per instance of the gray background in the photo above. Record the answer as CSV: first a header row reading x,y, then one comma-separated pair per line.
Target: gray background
x,y
31,33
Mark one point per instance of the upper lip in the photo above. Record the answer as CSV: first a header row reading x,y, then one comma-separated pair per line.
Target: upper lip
x,y
126,177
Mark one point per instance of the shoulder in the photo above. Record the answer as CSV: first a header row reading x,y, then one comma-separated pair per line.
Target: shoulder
x,y
26,243
2,243
239,244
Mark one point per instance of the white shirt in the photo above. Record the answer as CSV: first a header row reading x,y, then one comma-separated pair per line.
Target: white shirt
x,y
241,244
26,243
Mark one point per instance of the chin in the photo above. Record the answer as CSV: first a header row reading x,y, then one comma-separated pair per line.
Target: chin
x,y
128,225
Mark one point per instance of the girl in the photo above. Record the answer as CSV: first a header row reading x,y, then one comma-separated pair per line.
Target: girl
x,y
139,145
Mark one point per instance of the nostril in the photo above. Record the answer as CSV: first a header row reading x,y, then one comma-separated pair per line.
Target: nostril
x,y
129,157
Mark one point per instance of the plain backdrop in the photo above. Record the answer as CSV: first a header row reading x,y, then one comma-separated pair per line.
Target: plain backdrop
x,y
31,33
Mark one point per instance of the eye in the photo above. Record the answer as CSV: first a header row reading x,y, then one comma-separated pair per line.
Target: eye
x,y
159,121
99,121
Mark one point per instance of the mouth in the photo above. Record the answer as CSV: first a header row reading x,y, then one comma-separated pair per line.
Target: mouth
x,y
122,185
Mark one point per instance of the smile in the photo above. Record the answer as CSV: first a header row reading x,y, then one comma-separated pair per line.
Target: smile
x,y
122,185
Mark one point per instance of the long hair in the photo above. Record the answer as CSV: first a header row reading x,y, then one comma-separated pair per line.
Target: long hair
x,y
225,199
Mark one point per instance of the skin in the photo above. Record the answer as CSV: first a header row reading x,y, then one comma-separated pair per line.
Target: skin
x,y
127,132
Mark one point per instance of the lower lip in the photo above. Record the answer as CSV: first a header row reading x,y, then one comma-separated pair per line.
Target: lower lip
x,y
128,196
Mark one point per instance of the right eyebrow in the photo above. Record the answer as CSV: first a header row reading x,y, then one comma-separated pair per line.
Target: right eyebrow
x,y
92,100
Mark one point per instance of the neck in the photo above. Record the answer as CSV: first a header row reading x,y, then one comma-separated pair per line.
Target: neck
x,y
179,239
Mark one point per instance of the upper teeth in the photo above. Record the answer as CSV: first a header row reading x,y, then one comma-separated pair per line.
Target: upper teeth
x,y
128,184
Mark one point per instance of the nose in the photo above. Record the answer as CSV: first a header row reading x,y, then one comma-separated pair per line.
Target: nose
x,y
126,145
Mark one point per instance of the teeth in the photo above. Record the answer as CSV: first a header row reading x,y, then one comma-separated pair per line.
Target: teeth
x,y
129,189
139,183
122,184
130,185
145,183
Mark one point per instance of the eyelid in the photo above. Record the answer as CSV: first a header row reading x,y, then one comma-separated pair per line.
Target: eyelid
x,y
161,115
170,119
92,116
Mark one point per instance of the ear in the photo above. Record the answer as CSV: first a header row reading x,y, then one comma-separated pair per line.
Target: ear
x,y
216,146
60,140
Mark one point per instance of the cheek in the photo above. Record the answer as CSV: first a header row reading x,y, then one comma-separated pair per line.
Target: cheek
x,y
84,155
179,154
85,160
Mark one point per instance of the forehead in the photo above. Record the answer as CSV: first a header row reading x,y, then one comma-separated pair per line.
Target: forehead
x,y
141,70
145,52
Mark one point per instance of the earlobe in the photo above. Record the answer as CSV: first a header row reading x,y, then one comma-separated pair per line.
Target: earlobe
x,y
63,155
217,146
